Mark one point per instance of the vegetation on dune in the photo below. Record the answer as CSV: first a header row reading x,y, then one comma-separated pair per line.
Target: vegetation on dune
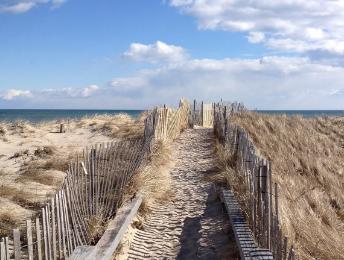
x,y
154,180
115,126
307,158
41,169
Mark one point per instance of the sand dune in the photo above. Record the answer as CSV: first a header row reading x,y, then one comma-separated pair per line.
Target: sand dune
x,y
34,157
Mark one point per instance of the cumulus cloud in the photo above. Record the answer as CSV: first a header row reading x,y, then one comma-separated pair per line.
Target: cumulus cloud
x,y
23,6
14,93
282,83
256,37
88,91
155,53
267,83
128,84
287,25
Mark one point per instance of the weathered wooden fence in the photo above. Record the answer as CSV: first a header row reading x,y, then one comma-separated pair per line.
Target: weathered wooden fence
x,y
92,192
202,114
262,193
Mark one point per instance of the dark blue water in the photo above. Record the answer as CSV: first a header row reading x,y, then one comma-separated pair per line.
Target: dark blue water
x,y
304,113
39,115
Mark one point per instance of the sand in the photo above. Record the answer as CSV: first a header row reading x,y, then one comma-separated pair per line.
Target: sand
x,y
33,158
193,224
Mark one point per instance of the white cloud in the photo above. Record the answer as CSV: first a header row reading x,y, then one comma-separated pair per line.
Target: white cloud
x,y
287,25
14,93
128,84
23,6
256,37
88,91
57,3
281,83
267,83
154,53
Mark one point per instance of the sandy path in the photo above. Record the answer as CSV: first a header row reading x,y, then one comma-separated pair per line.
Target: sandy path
x,y
193,225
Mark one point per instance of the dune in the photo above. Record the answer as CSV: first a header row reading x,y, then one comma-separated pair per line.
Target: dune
x,y
307,164
34,158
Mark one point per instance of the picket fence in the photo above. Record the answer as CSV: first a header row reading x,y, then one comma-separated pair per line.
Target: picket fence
x,y
263,215
92,191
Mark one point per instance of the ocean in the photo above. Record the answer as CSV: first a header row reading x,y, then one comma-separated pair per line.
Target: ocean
x,y
39,115
304,113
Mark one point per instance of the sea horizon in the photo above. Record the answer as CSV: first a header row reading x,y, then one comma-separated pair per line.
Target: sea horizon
x,y
41,115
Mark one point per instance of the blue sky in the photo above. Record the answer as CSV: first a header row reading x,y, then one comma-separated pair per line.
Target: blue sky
x,y
82,53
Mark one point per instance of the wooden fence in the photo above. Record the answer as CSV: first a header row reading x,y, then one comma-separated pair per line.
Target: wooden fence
x,y
263,215
91,193
202,114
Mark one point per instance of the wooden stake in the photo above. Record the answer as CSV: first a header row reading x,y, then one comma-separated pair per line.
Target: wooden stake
x,y
29,239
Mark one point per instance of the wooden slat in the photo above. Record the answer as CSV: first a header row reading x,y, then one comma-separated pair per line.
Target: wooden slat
x,y
16,244
59,228
47,213
45,235
63,230
2,250
67,225
53,223
39,239
7,248
29,239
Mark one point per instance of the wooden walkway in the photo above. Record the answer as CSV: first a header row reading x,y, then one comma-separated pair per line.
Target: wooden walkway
x,y
194,224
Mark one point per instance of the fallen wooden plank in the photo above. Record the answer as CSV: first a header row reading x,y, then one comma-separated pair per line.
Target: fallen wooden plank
x,y
243,235
113,235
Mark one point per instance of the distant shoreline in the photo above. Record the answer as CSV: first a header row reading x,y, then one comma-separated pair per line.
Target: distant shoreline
x,y
40,115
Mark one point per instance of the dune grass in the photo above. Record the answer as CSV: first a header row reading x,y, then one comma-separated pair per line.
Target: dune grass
x,y
154,181
115,126
307,158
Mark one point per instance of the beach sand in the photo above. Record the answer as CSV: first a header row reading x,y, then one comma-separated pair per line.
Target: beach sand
x,y
34,158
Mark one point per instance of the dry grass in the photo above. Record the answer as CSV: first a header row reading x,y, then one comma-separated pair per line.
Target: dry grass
x,y
42,171
21,198
115,126
307,158
96,227
21,127
154,180
228,176
6,224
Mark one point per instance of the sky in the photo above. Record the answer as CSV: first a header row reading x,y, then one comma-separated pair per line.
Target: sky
x,y
134,54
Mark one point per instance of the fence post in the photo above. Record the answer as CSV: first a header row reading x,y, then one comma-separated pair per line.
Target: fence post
x,y
2,250
29,239
265,198
202,115
194,114
16,243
